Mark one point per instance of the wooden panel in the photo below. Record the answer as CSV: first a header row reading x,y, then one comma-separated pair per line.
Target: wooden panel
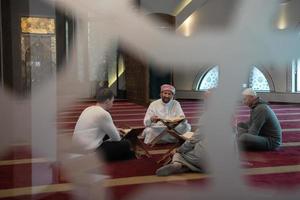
x,y
7,69
1,46
136,78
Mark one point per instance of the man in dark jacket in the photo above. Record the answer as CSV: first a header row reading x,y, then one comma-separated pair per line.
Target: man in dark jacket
x,y
262,132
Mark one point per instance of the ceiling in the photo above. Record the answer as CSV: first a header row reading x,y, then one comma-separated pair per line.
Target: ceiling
x,y
217,14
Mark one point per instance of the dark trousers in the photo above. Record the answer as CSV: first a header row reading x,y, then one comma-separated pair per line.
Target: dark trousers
x,y
116,150
254,142
250,142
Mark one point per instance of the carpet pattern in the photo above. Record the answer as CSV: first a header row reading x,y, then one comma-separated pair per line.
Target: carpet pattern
x,y
20,171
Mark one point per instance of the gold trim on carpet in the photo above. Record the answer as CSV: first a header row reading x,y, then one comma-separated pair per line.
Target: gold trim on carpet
x,y
23,161
35,190
65,187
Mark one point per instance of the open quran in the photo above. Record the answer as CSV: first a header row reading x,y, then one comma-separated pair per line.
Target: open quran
x,y
128,133
173,119
124,131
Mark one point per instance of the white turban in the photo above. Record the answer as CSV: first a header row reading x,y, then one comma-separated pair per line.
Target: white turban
x,y
249,92
168,87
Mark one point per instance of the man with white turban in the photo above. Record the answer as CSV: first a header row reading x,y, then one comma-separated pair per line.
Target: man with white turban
x,y
164,108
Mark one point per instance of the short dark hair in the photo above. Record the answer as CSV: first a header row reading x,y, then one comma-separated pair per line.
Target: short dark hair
x,y
104,94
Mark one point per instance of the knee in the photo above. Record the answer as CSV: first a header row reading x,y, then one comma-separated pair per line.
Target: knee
x,y
146,130
241,130
246,137
242,137
243,142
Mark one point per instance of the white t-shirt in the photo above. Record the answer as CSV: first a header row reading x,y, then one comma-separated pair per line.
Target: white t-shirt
x,y
93,124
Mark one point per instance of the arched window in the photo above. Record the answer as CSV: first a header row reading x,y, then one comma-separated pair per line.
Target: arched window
x,y
209,79
257,80
296,75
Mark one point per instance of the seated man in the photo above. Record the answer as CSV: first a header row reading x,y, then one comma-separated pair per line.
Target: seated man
x,y
190,156
163,108
262,132
95,123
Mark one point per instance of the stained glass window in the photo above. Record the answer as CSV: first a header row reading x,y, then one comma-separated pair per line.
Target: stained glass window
x,y
257,80
210,79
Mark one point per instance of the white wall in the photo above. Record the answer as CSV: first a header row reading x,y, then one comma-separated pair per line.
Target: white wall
x,y
216,14
184,80
279,77
206,18
159,6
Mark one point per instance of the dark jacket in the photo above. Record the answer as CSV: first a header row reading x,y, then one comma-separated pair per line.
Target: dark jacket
x,y
263,122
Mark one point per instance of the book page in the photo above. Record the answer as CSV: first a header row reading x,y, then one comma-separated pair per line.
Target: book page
x,y
187,135
124,131
173,119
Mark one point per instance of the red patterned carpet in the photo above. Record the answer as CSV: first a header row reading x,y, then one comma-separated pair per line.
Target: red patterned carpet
x,y
20,172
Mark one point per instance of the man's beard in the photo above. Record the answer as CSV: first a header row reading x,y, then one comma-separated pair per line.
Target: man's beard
x,y
166,100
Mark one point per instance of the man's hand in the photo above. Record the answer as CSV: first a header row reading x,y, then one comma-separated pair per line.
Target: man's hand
x,y
121,131
154,119
182,117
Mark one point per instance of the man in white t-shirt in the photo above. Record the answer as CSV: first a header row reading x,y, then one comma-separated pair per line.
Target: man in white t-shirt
x,y
95,123
163,108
